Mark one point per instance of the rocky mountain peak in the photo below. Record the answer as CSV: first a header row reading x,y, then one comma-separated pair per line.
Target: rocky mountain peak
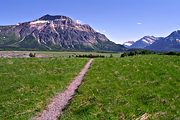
x,y
148,39
151,37
55,17
63,22
144,42
175,34
58,33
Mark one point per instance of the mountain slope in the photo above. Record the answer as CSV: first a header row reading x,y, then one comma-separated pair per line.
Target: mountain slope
x,y
169,43
143,42
54,33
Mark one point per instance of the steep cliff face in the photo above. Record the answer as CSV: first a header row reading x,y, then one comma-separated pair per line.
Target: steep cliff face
x,y
56,33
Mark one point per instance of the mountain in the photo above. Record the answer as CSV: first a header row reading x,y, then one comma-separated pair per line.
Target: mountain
x,y
169,43
128,43
54,33
143,42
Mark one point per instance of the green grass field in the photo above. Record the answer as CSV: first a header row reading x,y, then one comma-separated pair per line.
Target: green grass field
x,y
126,88
26,85
113,88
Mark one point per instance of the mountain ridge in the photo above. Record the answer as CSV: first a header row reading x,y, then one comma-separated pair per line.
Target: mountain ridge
x,y
143,42
55,33
167,44
159,44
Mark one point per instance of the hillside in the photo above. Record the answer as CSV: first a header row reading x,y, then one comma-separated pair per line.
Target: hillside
x,y
169,43
54,33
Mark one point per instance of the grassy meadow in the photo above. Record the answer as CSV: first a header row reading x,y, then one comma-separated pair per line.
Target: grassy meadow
x,y
127,88
27,84
114,88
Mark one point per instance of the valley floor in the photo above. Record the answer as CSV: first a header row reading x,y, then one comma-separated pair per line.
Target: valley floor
x,y
114,88
128,88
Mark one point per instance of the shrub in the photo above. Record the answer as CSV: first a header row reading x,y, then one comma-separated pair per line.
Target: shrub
x,y
123,55
90,56
137,52
131,54
32,55
111,55
171,53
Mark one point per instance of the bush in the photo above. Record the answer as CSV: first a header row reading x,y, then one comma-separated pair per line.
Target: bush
x,y
131,54
32,55
90,56
137,52
123,55
171,53
111,55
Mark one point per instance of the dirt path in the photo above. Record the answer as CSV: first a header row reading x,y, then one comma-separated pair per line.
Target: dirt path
x,y
59,102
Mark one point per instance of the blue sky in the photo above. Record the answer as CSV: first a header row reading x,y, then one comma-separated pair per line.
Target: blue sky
x,y
120,20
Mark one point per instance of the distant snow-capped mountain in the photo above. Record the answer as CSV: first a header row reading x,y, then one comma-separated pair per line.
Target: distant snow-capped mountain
x,y
144,42
160,44
169,43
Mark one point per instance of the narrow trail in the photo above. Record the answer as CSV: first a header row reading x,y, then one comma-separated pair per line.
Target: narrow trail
x,y
59,102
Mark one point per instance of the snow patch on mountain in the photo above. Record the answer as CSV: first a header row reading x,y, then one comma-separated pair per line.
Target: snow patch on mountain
x,y
39,22
145,41
78,22
128,43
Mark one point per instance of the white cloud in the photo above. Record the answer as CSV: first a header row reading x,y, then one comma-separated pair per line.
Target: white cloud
x,y
139,23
